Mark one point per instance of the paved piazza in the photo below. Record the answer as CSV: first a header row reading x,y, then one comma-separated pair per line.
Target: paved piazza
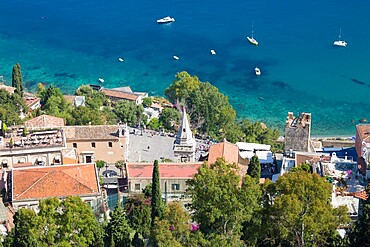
x,y
149,146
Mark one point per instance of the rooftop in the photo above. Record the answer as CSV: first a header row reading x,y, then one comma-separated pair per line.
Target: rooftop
x,y
54,181
120,95
364,131
93,132
224,149
44,121
166,170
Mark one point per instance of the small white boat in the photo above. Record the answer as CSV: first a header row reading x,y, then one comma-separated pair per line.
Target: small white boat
x,y
176,57
213,52
101,80
252,40
340,42
257,71
120,59
166,19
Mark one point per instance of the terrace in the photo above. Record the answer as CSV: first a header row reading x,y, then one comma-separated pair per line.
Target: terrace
x,y
20,139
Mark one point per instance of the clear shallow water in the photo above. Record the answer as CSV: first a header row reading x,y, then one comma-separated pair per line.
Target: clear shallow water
x,y
70,43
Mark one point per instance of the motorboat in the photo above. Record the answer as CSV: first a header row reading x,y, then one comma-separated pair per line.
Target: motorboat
x,y
120,59
176,57
101,80
257,71
340,42
213,52
166,19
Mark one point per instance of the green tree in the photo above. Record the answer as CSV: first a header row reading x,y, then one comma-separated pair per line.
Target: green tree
x,y
169,117
11,107
93,99
58,223
302,167
100,164
26,231
254,168
220,204
147,102
84,116
17,81
360,234
53,101
128,112
182,87
154,124
118,230
156,201
119,165
138,213
174,229
147,191
300,213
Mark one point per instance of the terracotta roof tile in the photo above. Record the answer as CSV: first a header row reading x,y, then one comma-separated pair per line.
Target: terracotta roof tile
x,y
9,89
363,131
362,195
166,170
54,181
45,121
93,132
120,95
224,149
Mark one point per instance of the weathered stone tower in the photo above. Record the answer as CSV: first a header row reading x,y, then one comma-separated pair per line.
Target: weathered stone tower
x,y
184,146
297,132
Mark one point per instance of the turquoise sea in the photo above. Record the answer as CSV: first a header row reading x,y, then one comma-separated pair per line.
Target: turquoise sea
x,y
69,43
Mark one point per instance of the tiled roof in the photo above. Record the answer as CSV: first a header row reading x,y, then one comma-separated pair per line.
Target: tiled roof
x,y
166,170
120,95
45,121
31,99
362,195
363,131
54,181
69,98
93,132
9,89
224,149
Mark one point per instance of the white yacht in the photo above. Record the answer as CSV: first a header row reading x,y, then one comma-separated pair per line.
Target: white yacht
x,y
213,52
101,80
166,19
120,59
340,42
257,71
176,57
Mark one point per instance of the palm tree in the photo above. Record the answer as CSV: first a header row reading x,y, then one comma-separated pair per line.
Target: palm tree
x,y
119,165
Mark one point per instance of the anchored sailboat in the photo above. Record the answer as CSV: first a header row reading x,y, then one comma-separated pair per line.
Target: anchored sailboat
x,y
340,42
252,40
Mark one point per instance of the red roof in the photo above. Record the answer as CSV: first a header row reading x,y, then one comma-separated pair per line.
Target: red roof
x,y
362,195
225,150
54,181
166,170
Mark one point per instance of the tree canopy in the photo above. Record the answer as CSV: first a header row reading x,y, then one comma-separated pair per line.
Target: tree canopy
x,y
128,112
17,80
68,222
220,204
300,213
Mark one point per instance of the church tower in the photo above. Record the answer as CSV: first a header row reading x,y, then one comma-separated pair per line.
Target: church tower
x,y
184,146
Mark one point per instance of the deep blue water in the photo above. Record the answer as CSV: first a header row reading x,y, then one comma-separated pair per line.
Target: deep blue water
x,y
69,43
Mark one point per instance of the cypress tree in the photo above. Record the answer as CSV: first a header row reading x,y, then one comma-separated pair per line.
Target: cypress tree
x,y
118,230
156,193
17,79
254,168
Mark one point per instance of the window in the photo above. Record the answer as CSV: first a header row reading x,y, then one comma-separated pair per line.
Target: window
x,y
74,145
110,144
175,186
93,145
137,186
